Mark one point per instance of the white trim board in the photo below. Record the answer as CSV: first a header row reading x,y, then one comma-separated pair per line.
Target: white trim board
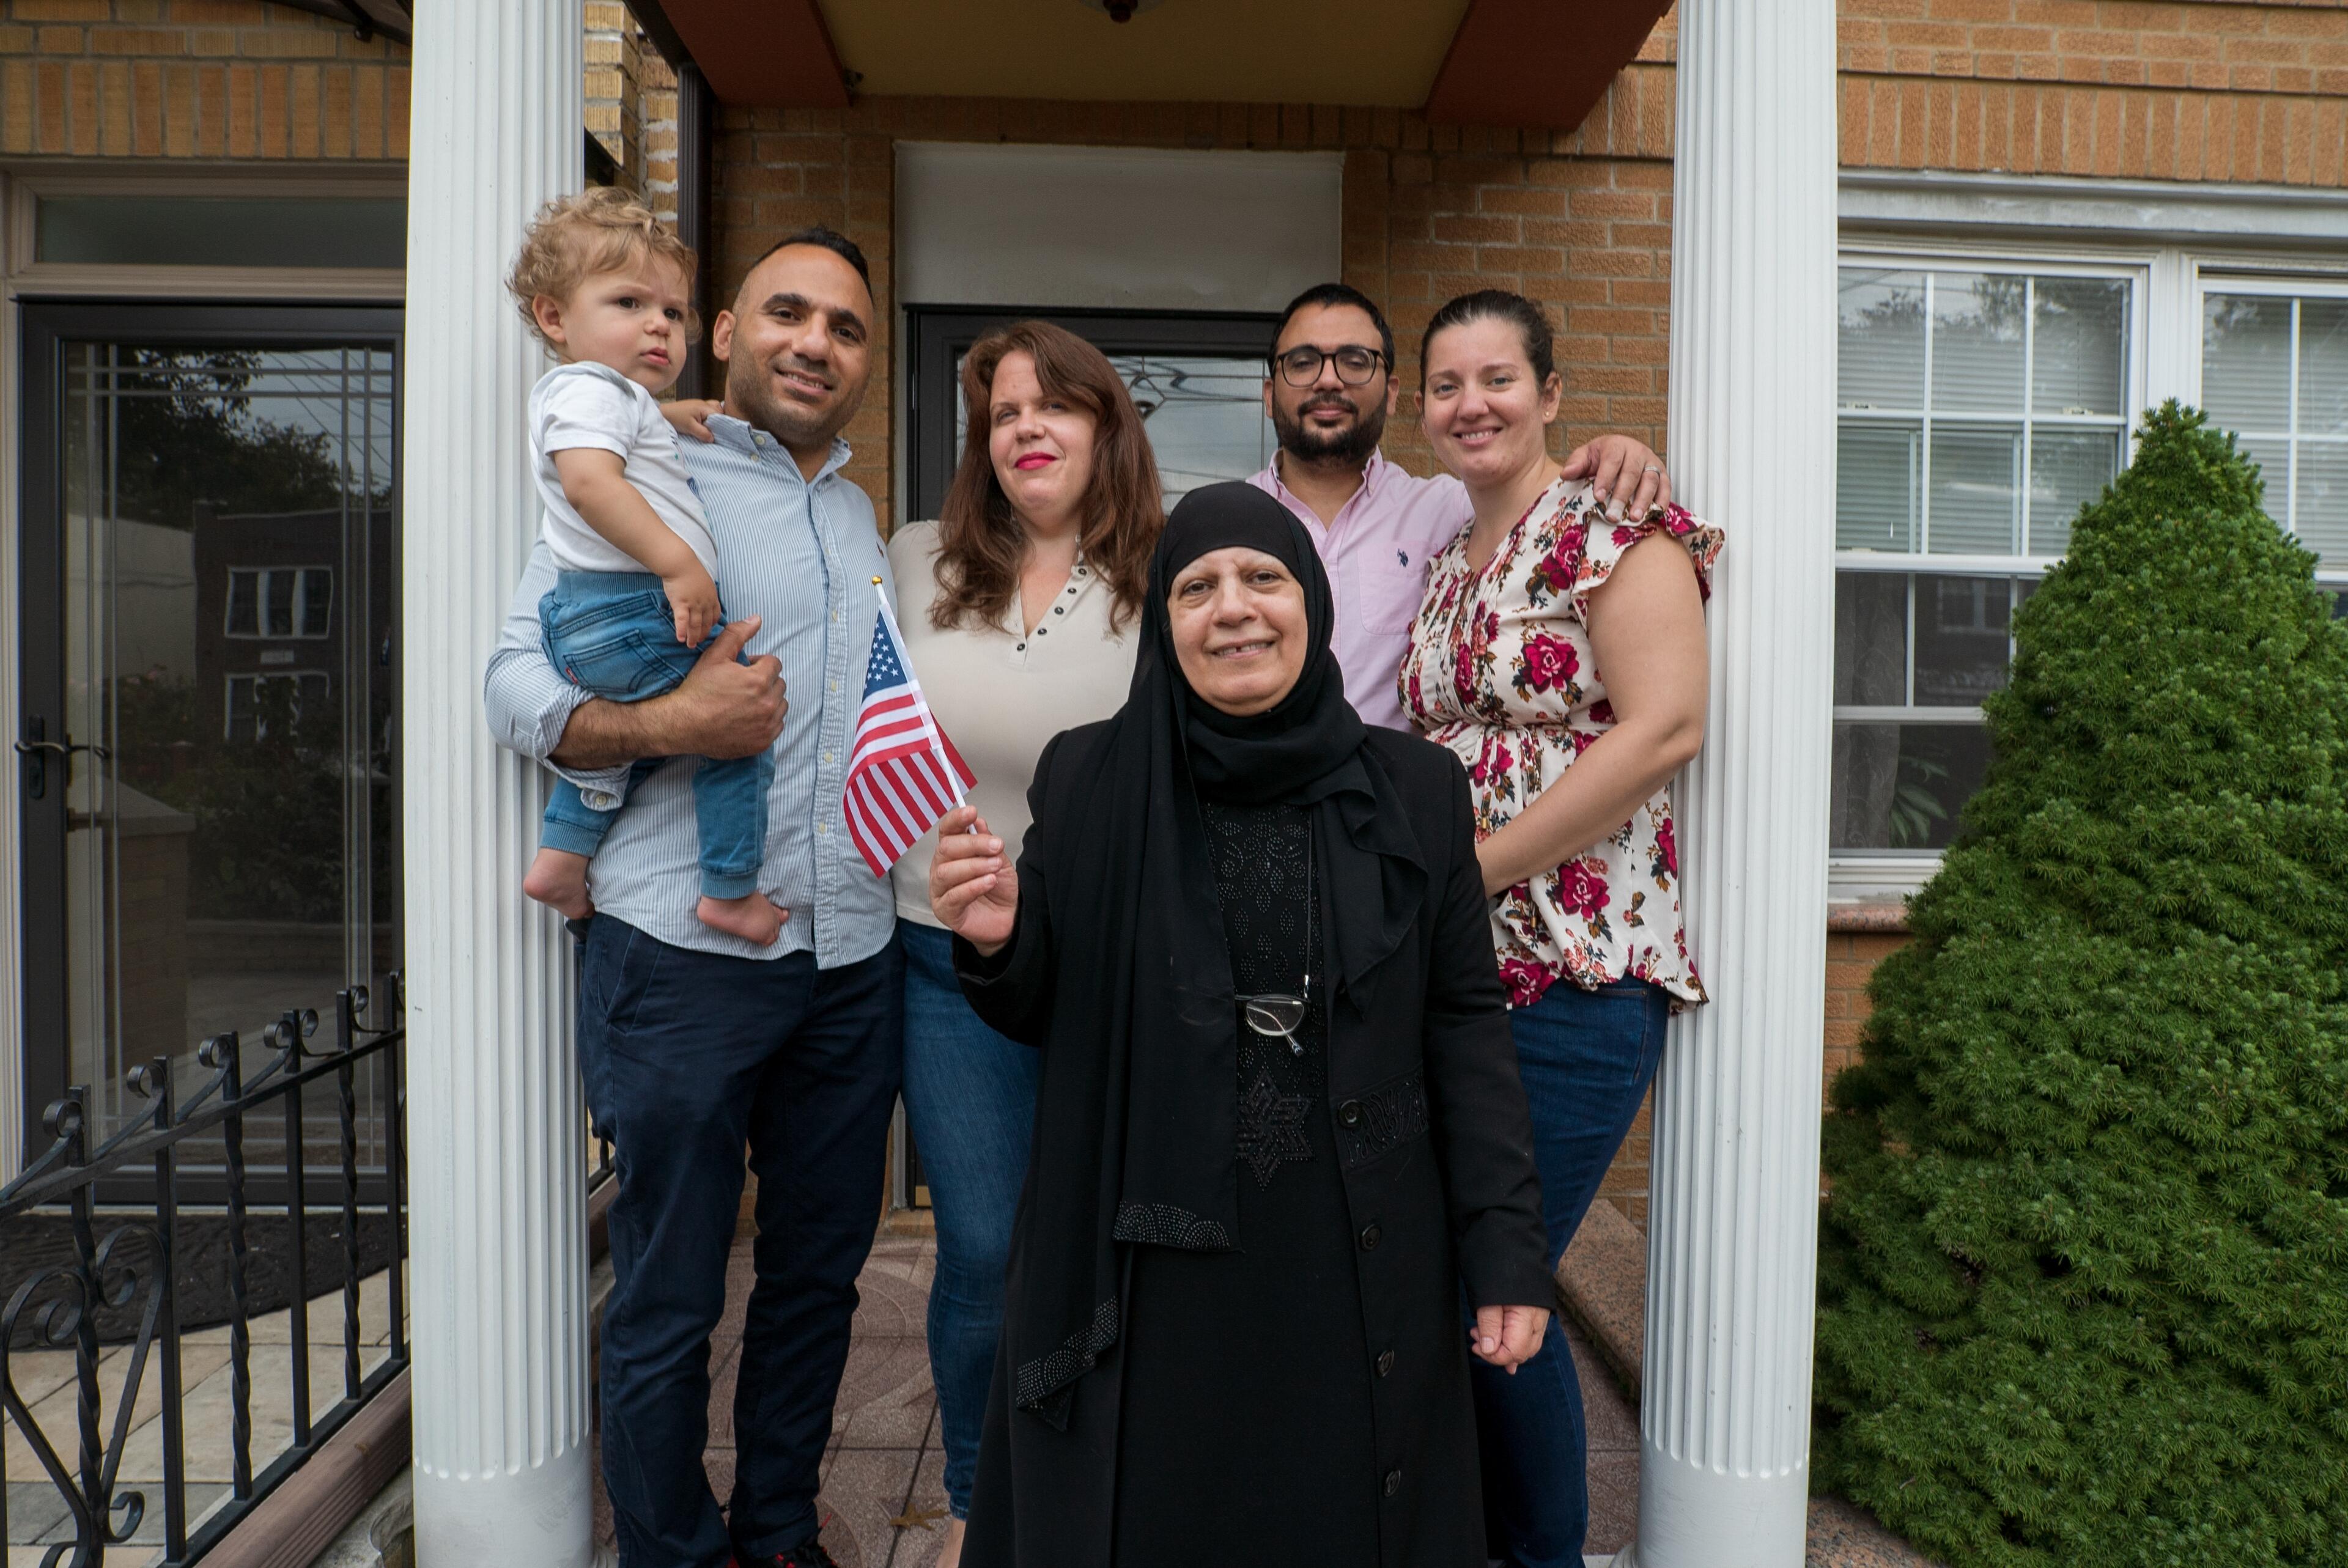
x,y
1095,227
2141,210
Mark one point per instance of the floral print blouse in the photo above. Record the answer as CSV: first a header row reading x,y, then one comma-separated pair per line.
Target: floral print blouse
x,y
1500,671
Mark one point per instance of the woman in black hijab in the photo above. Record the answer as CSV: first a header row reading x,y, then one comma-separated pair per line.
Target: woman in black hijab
x,y
1278,1122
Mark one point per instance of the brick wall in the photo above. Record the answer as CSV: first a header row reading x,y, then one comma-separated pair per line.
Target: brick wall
x,y
1579,221
631,102
614,50
195,79
2183,89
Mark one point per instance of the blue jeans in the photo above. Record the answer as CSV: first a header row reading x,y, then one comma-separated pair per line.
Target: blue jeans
x,y
687,1056
1586,1058
611,633
970,1100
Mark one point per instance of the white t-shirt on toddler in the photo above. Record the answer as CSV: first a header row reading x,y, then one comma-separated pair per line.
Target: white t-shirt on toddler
x,y
588,405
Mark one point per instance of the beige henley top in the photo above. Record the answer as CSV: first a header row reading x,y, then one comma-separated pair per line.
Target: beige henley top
x,y
1001,693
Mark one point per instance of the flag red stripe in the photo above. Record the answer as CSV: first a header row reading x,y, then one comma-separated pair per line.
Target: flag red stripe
x,y
920,781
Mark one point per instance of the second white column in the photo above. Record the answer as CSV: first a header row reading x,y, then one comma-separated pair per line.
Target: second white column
x,y
1725,1424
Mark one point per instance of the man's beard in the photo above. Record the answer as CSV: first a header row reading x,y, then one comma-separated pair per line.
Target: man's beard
x,y
1350,445
796,426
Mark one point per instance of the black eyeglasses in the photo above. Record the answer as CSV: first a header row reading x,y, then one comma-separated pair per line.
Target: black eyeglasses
x,y
1301,366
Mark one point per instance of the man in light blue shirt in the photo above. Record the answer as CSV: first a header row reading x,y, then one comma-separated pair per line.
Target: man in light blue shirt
x,y
691,1041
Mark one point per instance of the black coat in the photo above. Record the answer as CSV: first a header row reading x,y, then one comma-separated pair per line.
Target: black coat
x,y
1435,1137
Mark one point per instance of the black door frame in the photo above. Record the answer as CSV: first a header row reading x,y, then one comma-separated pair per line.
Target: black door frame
x,y
44,326
940,336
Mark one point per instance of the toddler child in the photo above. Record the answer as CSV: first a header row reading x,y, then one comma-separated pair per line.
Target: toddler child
x,y
635,600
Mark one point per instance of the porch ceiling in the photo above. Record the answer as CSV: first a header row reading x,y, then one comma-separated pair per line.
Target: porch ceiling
x,y
1503,62
1383,52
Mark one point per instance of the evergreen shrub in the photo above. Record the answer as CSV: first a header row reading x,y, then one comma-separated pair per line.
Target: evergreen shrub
x,y
2084,1266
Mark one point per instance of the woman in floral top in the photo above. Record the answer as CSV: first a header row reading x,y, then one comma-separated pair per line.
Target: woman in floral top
x,y
1560,653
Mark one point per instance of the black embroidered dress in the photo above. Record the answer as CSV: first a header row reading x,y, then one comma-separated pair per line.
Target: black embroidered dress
x,y
1247,1374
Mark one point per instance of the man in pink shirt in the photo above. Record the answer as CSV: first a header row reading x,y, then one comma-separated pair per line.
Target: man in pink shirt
x,y
1329,394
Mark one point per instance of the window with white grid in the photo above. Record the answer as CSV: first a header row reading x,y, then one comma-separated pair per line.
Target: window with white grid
x,y
1981,406
2274,369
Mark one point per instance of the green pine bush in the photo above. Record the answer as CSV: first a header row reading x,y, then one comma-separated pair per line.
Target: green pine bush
x,y
2083,1278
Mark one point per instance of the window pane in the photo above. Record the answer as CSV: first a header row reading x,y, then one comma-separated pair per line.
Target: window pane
x,y
2246,362
2068,468
1870,667
221,231
1974,469
277,603
317,594
1977,335
2078,358
2323,367
2273,454
244,604
1876,467
1962,624
2321,521
1882,358
1899,786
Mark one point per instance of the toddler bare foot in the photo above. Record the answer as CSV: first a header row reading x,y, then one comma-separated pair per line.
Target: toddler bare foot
x,y
950,1553
557,880
751,917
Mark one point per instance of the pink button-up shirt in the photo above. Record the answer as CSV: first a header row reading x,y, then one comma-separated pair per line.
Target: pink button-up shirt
x,y
1376,554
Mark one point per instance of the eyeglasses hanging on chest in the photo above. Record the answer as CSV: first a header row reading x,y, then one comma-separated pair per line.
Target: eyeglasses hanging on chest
x,y
1278,1015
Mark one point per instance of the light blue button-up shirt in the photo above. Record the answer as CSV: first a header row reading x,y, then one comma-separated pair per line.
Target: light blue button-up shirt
x,y
803,557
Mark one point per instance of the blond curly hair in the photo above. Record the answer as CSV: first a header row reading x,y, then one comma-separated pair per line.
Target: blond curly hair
x,y
601,230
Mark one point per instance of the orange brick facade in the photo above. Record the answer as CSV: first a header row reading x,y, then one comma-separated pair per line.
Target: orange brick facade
x,y
195,79
2183,89
1580,222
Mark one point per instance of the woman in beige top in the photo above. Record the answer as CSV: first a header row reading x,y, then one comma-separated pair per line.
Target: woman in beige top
x,y
1019,607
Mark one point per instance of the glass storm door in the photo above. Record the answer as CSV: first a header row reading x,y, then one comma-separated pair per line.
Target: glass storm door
x,y
208,761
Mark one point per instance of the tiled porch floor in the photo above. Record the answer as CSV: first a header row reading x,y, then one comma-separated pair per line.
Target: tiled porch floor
x,y
37,1516
884,1478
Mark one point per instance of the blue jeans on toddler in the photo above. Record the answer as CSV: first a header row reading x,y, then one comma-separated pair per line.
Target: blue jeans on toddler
x,y
610,633
1586,1058
970,1102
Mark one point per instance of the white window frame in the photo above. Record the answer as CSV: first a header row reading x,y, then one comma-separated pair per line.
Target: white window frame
x,y
1875,876
261,633
2185,238
2212,276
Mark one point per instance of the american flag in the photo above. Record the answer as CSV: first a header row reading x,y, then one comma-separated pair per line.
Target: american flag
x,y
904,775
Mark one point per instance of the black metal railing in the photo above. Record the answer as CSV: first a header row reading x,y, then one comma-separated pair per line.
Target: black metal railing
x,y
132,1276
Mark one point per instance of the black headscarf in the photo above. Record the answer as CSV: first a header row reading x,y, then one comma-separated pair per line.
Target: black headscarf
x,y
1135,1139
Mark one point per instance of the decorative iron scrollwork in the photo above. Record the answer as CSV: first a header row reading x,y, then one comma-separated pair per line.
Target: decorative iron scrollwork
x,y
131,1271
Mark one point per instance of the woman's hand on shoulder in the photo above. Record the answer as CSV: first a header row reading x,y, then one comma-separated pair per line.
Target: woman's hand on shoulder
x,y
972,888
1508,1337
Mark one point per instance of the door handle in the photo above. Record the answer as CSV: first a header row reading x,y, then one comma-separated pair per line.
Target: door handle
x,y
35,749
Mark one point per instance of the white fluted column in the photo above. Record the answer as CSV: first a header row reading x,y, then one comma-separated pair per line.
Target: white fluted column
x,y
496,1161
1732,1232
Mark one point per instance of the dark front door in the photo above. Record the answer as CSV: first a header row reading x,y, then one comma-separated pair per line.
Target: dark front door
x,y
208,765
1197,380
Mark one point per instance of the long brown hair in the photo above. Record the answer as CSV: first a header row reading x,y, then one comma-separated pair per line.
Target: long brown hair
x,y
981,543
